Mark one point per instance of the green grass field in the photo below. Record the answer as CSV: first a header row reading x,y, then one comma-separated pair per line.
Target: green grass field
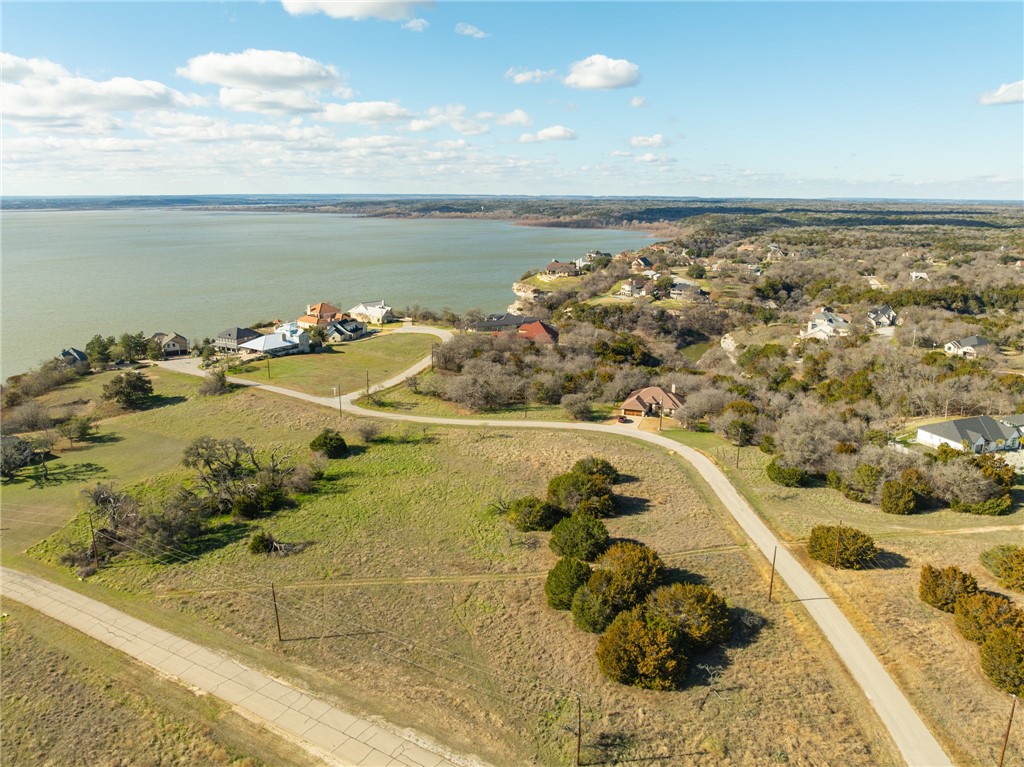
x,y
415,602
344,365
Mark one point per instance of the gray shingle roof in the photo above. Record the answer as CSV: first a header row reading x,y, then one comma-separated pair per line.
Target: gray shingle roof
x,y
971,429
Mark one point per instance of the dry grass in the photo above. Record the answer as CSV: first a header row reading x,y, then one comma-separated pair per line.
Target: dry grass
x,y
69,700
432,611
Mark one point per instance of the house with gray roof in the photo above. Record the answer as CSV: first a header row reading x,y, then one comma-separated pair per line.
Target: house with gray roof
x,y
230,339
980,434
967,347
882,316
825,324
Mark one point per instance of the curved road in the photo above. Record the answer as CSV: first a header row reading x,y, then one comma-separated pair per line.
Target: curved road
x,y
915,742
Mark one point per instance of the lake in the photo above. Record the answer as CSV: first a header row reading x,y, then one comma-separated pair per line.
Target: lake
x,y
68,275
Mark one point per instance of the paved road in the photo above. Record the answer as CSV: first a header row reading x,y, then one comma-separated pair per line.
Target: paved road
x,y
332,735
915,742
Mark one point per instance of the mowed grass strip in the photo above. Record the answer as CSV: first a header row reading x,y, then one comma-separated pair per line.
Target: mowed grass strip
x,y
70,700
344,365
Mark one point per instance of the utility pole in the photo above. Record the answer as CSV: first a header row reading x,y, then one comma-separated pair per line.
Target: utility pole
x,y
367,383
1006,738
579,727
337,391
771,582
277,617
268,367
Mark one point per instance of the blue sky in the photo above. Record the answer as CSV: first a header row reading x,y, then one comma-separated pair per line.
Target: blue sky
x,y
807,99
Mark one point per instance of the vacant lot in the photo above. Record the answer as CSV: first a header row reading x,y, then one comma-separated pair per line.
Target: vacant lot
x,y
414,601
69,700
344,365
936,667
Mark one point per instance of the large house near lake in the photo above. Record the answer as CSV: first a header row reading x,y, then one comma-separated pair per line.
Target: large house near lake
x,y
319,315
172,344
494,323
288,338
230,339
348,329
561,269
372,312
72,356
980,434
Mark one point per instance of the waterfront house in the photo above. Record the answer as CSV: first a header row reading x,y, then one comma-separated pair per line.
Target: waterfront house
x,y
319,315
494,323
348,329
980,434
73,356
561,269
641,263
539,332
172,344
230,339
372,312
967,347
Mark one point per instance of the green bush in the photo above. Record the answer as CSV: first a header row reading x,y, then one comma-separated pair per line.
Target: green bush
x,y
261,542
1007,564
531,513
580,537
598,468
941,588
637,652
635,570
591,605
564,580
567,490
330,443
1002,660
599,507
245,507
993,507
767,444
898,498
787,476
978,615
698,615
845,547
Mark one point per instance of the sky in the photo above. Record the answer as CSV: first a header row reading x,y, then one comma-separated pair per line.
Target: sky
x,y
725,99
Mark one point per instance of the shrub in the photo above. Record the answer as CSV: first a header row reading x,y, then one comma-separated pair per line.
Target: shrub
x,y
531,513
978,615
15,454
131,390
567,490
330,443
992,507
787,476
245,507
844,547
261,542
1002,660
599,507
767,444
635,570
76,428
577,406
636,652
564,580
941,588
898,498
367,431
580,537
698,615
598,468
591,606
1007,564
215,383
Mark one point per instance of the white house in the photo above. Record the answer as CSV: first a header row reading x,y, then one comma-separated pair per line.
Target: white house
x,y
967,347
825,324
375,312
915,276
980,434
345,330
173,344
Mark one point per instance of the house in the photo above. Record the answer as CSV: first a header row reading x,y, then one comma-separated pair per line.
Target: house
x,y
231,339
372,312
1014,422
561,269
539,332
293,332
980,434
72,356
652,400
967,347
684,291
348,329
882,316
288,338
172,344
915,276
641,263
825,324
633,288
493,323
322,315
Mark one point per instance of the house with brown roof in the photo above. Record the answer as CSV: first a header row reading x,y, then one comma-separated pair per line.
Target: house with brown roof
x,y
651,400
561,269
539,332
172,344
320,315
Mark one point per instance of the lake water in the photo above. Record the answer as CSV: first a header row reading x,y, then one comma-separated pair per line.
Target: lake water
x,y
68,275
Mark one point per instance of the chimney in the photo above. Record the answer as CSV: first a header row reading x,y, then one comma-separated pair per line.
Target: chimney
x,y
309,309
673,388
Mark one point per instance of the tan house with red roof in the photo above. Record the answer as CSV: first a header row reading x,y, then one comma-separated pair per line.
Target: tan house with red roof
x,y
651,400
539,332
322,315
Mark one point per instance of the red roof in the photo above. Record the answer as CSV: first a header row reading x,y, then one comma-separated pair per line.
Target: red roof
x,y
539,332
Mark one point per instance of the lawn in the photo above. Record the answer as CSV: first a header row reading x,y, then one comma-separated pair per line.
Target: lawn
x,y
414,601
70,700
344,365
935,666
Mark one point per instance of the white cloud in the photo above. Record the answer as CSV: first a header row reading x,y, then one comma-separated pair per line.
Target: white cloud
x,y
598,72
515,117
261,70
655,141
553,133
1007,93
454,116
637,102
468,30
649,158
388,10
520,76
267,102
621,153
365,112
416,25
40,93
